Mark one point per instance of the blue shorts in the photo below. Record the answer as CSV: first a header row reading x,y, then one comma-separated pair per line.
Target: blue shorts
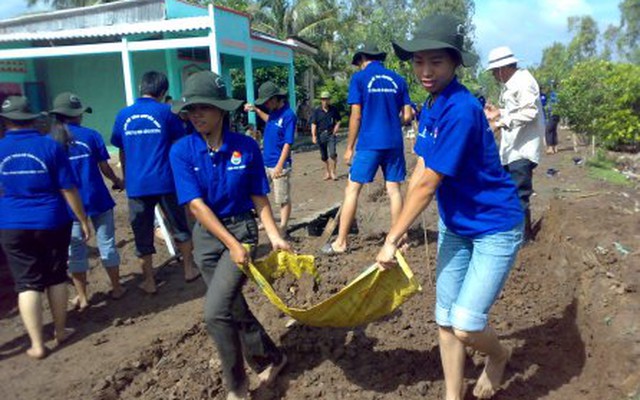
x,y
366,162
105,238
470,273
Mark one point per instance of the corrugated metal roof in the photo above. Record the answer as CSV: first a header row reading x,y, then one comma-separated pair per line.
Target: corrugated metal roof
x,y
170,25
109,14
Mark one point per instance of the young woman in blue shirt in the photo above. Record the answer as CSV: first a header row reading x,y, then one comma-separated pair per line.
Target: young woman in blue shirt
x,y
89,158
481,220
35,227
220,177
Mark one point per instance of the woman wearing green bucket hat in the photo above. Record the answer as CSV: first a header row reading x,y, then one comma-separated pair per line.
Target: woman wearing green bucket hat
x,y
35,227
481,220
89,160
220,176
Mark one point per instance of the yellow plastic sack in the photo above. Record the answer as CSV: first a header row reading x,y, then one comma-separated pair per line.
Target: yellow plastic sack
x,y
370,296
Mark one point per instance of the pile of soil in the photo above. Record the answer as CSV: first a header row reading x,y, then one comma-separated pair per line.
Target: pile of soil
x,y
566,310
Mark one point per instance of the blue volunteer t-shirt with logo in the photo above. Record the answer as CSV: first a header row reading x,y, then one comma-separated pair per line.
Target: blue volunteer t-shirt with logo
x,y
224,179
279,130
33,170
382,94
145,131
86,152
476,196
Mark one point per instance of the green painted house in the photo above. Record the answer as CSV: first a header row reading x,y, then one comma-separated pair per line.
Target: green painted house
x,y
100,52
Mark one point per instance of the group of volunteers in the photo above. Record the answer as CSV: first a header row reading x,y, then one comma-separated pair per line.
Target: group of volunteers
x,y
52,185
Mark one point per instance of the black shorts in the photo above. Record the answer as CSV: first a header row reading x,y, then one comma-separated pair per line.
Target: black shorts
x,y
327,145
37,258
141,216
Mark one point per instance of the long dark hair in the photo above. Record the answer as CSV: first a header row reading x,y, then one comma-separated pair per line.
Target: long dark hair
x,y
60,131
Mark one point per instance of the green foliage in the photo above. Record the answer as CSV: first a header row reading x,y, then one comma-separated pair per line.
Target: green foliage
x,y
339,91
602,99
277,74
629,30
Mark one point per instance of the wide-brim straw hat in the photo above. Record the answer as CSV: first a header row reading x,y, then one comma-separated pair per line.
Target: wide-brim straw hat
x,y
500,57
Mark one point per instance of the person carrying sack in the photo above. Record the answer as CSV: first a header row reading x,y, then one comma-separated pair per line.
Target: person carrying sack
x,y
220,176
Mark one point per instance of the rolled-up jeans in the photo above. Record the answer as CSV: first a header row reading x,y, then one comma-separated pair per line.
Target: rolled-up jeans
x,y
470,273
230,323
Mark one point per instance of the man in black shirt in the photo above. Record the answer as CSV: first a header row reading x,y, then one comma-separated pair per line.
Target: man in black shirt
x,y
325,122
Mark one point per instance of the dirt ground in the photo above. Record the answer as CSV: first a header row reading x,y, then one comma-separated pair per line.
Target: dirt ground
x,y
570,310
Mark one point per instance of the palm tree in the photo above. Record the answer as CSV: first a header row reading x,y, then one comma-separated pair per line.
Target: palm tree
x,y
312,20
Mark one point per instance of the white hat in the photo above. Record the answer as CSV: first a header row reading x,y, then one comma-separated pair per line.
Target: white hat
x,y
501,56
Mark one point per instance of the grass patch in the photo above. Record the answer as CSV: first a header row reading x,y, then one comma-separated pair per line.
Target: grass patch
x,y
602,168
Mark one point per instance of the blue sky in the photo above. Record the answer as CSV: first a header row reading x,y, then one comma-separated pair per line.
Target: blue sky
x,y
527,26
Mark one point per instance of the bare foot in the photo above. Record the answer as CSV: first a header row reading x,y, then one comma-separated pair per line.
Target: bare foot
x,y
270,374
192,275
334,177
158,234
326,177
79,304
117,293
37,354
242,393
148,286
62,338
491,377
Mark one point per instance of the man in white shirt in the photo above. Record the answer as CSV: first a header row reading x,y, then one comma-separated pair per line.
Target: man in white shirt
x,y
520,122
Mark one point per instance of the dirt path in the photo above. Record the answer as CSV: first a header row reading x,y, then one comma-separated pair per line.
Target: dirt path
x,y
569,309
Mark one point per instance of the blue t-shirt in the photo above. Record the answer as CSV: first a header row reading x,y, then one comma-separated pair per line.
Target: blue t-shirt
x,y
33,170
225,179
85,153
382,94
145,131
476,196
279,130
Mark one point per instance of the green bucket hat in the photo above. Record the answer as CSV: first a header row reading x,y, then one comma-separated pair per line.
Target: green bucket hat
x,y
325,95
17,108
433,33
368,49
205,87
68,104
267,90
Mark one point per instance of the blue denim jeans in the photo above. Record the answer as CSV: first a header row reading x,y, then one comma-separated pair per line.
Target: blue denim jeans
x,y
470,273
105,237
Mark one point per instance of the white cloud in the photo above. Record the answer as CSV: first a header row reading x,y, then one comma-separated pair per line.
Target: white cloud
x,y
557,11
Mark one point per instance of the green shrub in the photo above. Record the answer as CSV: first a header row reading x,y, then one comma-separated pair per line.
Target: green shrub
x,y
602,99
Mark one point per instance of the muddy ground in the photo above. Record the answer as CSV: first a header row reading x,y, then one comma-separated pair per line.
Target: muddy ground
x,y
570,309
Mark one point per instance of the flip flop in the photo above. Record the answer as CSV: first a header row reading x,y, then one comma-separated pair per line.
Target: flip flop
x,y
330,251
